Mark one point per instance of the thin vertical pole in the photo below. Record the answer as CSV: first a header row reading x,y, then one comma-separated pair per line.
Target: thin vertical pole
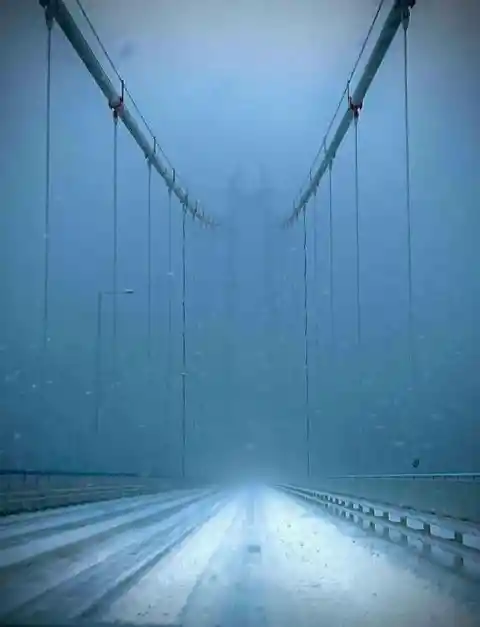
x,y
46,276
305,328
315,272
331,285
149,262
357,233
98,363
411,335
168,376
184,347
115,244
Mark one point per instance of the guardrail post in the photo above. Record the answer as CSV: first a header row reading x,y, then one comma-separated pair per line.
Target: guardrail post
x,y
385,530
403,536
426,546
368,510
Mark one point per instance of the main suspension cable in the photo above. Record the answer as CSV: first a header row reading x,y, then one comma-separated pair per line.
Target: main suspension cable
x,y
345,90
196,212
305,329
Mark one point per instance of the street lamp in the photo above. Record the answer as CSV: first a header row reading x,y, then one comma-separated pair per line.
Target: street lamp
x,y
98,349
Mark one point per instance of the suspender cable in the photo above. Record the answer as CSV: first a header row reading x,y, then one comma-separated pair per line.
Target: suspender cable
x,y
330,237
115,244
315,269
46,276
230,278
168,377
411,337
149,262
355,109
184,345
267,278
305,330
357,234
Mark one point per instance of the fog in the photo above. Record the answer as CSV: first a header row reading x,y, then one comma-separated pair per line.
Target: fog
x,y
239,95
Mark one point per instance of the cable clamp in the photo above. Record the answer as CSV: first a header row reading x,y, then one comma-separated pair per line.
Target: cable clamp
x,y
150,157
117,107
355,108
405,6
50,9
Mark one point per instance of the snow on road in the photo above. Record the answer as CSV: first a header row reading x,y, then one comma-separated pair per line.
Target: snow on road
x,y
268,561
264,559
160,596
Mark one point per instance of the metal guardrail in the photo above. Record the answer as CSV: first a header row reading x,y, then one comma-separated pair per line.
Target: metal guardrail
x,y
29,490
458,538
443,476
27,501
455,495
20,472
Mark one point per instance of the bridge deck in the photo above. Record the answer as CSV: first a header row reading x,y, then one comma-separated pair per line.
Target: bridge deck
x,y
194,557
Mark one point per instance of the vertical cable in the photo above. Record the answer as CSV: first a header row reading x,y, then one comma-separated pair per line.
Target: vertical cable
x,y
411,336
330,225
46,277
149,262
115,245
184,346
230,278
315,271
305,329
268,319
98,364
168,376
357,233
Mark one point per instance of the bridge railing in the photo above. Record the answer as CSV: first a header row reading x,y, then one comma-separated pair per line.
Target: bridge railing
x,y
404,518
25,490
447,494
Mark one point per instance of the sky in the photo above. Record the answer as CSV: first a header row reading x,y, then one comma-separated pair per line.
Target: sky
x,y
239,95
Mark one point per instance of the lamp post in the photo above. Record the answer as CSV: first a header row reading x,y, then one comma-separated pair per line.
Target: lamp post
x,y
98,350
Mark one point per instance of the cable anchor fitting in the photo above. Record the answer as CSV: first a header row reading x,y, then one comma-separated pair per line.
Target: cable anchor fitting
x,y
405,6
355,108
50,10
117,107
150,157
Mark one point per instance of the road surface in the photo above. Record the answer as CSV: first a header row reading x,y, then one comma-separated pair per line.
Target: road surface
x,y
256,557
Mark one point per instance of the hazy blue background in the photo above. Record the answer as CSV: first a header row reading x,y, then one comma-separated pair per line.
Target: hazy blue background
x,y
240,94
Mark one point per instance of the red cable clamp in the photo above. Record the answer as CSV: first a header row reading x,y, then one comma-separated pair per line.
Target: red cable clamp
x,y
354,108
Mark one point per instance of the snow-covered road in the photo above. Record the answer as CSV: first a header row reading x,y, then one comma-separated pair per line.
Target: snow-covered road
x,y
256,557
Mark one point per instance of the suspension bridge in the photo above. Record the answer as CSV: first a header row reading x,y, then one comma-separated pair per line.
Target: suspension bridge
x,y
168,544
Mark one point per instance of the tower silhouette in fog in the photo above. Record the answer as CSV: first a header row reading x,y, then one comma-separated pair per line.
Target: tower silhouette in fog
x,y
250,312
